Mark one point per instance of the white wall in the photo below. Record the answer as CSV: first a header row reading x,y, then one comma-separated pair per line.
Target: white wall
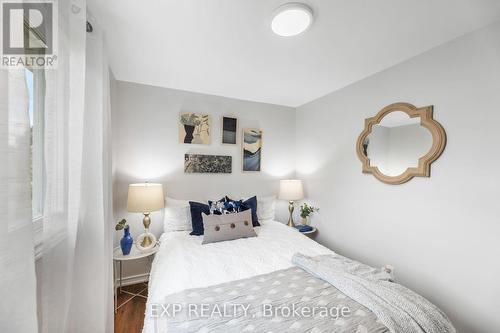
x,y
441,233
146,148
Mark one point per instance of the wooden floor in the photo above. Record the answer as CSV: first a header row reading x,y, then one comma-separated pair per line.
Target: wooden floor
x,y
130,317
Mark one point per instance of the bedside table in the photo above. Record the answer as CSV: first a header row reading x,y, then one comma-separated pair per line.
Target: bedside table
x,y
118,259
309,233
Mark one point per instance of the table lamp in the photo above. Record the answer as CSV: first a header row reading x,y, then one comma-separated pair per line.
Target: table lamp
x,y
145,198
291,190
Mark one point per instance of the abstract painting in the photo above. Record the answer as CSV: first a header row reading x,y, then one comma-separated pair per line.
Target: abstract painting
x,y
194,128
194,163
229,129
252,149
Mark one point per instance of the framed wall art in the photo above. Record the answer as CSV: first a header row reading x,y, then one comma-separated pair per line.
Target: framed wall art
x,y
197,163
194,128
229,130
252,150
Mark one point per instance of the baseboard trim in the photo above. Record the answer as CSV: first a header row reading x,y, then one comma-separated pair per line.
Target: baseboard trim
x,y
134,279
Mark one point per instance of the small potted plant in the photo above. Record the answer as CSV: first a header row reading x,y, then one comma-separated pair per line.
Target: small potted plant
x,y
127,240
306,211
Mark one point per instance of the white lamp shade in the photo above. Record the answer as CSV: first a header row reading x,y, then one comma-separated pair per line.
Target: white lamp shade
x,y
145,198
291,189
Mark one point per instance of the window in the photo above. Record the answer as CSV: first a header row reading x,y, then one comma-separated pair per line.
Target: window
x,y
35,81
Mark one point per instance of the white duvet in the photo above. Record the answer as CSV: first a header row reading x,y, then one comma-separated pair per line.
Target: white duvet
x,y
183,263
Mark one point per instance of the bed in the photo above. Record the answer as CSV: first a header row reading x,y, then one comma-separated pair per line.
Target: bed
x,y
183,267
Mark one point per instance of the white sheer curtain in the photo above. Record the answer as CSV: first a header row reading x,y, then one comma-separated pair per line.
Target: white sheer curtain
x,y
75,275
17,261
76,279
63,140
93,270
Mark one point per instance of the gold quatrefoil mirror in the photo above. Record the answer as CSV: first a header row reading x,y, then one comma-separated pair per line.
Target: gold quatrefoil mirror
x,y
400,143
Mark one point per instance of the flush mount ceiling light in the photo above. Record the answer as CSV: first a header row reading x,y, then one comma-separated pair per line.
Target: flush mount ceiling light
x,y
291,19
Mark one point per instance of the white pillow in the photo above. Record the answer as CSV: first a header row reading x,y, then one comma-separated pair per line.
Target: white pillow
x,y
177,215
265,208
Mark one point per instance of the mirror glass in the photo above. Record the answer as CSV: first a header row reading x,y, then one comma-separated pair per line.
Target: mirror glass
x,y
396,143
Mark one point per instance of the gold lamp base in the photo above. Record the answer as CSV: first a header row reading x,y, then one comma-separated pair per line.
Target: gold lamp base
x,y
290,209
146,241
146,221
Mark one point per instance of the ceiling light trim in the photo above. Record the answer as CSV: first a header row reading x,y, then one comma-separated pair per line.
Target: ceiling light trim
x,y
290,6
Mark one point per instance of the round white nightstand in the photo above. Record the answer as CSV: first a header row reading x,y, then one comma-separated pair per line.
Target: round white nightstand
x,y
119,258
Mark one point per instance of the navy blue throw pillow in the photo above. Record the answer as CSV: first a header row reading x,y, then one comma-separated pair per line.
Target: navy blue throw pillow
x,y
217,207
250,203
197,208
225,206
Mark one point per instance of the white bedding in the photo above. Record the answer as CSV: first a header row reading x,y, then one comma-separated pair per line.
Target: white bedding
x,y
183,263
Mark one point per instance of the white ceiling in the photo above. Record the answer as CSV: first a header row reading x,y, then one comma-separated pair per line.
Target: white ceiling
x,y
226,47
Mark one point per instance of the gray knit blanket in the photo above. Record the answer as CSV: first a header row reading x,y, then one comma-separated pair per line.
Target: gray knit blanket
x,y
397,307
327,293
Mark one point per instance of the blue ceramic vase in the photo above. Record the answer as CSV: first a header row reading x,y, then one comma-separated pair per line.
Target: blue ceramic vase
x,y
127,241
